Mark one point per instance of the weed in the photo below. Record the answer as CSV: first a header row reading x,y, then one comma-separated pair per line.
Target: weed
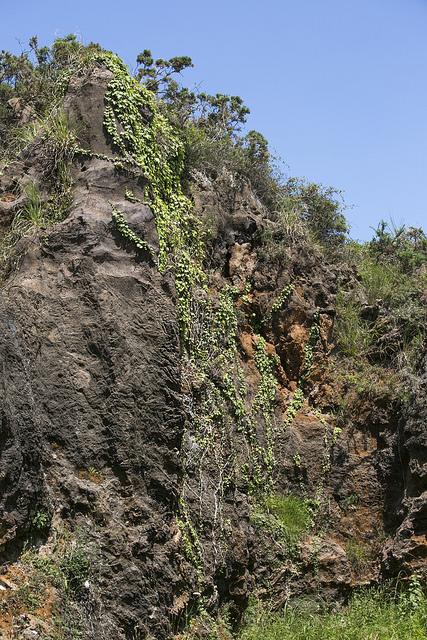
x,y
358,554
75,567
353,333
40,521
350,502
297,460
33,210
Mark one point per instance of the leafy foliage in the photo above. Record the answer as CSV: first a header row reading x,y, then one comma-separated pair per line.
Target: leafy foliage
x,y
320,209
150,144
303,214
403,246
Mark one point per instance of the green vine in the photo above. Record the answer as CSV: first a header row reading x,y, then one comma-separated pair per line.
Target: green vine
x,y
192,547
263,462
264,400
146,140
122,227
281,298
298,397
330,437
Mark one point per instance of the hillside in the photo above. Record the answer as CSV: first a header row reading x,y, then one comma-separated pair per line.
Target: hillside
x,y
213,401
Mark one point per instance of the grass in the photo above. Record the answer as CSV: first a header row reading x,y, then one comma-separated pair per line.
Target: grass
x,y
381,281
37,212
358,554
50,587
31,217
353,333
286,517
398,328
58,144
33,210
371,615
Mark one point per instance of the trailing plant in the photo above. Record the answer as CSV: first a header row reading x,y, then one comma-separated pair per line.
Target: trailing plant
x,y
282,297
122,227
263,453
298,397
150,143
190,539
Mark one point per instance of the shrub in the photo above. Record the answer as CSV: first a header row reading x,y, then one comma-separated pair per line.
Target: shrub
x,y
395,329
302,214
405,246
320,209
245,158
36,80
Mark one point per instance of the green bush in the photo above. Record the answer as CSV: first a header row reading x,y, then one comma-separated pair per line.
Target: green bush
x,y
37,79
405,246
321,209
393,333
246,158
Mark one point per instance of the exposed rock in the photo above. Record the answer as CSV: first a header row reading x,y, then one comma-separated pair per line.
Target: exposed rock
x,y
98,399
407,550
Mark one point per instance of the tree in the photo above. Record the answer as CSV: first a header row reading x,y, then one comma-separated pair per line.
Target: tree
x,y
220,115
157,74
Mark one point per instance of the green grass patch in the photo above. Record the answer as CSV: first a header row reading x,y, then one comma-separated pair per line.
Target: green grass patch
x,y
353,333
359,554
286,517
371,615
381,281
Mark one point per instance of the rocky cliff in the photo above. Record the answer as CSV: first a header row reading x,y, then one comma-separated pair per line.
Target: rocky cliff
x,y
162,401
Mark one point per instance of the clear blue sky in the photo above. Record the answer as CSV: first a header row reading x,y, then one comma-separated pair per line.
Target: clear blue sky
x,y
338,87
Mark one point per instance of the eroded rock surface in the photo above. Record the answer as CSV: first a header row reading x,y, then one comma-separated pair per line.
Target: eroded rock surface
x,y
97,401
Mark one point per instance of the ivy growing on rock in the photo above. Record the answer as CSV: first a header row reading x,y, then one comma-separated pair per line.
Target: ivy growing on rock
x,y
282,297
120,224
298,397
146,140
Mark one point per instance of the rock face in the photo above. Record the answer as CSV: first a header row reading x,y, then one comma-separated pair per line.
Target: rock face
x,y
408,548
91,381
21,476
96,398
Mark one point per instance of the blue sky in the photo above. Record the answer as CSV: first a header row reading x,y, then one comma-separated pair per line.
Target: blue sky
x,y
338,87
